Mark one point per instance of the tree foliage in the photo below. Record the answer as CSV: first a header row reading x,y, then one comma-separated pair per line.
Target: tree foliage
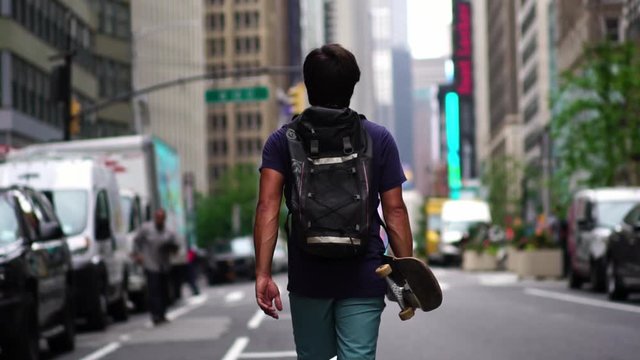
x,y
596,121
501,177
238,187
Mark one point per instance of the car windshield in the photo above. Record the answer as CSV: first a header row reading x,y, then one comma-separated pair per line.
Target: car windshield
x,y
242,246
71,207
9,227
611,213
461,226
434,222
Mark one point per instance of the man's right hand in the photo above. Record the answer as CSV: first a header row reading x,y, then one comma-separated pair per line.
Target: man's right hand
x,y
268,296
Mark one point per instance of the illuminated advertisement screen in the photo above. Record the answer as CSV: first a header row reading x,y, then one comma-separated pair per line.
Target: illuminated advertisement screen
x,y
170,185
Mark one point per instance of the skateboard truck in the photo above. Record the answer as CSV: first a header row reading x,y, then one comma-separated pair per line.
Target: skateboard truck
x,y
401,294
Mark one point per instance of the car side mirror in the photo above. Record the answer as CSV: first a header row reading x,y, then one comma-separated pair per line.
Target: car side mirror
x,y
50,231
103,229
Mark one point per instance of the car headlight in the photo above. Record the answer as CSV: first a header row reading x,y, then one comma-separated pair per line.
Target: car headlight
x,y
79,244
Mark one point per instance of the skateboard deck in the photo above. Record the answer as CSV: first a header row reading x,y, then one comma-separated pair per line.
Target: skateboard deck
x,y
411,284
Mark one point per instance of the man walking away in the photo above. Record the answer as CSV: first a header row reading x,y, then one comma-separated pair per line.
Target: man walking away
x,y
334,168
153,246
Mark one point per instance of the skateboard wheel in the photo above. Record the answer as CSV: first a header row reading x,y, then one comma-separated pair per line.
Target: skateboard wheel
x,y
383,270
406,314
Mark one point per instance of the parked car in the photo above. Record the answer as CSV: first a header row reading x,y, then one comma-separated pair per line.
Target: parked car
x,y
280,261
85,197
593,215
458,217
623,263
228,260
36,277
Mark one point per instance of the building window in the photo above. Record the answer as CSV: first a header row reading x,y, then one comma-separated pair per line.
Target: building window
x,y
114,18
218,122
530,80
48,21
247,45
216,2
528,21
114,77
529,50
31,94
612,29
216,47
531,110
216,22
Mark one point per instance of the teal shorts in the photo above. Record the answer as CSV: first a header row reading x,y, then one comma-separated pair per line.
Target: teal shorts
x,y
324,328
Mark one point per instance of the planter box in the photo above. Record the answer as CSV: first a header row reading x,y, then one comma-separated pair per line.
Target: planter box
x,y
472,261
539,263
512,259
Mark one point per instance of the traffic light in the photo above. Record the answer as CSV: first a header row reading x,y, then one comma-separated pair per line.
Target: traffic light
x,y
298,98
74,124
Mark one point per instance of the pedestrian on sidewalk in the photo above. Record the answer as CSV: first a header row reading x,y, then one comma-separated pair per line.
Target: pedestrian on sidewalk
x,y
192,271
153,246
334,168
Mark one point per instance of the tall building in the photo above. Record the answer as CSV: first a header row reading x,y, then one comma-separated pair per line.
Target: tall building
x,y
31,32
583,22
402,87
504,120
242,34
168,39
429,160
632,20
382,64
481,81
534,52
349,23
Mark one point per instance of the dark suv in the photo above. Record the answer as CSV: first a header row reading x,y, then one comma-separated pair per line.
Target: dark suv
x,y
36,283
623,270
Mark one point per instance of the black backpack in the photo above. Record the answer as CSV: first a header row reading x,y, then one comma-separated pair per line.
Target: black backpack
x,y
331,155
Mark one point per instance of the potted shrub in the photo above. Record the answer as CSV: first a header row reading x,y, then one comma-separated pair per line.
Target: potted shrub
x,y
479,252
538,256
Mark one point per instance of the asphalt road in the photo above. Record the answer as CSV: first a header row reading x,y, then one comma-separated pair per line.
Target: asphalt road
x,y
484,316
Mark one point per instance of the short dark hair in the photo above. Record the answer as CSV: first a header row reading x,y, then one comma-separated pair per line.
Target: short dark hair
x,y
330,74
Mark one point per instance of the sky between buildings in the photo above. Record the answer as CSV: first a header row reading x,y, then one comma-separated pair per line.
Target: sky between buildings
x,y
429,23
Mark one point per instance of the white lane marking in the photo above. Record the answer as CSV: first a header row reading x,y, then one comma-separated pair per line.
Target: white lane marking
x,y
256,319
236,349
582,300
269,355
103,351
234,296
498,279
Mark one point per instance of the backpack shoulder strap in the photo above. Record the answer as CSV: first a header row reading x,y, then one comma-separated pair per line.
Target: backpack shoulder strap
x,y
296,149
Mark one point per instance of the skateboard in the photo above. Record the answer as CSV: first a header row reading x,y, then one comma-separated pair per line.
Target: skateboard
x,y
411,284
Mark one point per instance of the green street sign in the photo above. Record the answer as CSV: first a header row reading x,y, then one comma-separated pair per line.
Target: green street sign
x,y
257,93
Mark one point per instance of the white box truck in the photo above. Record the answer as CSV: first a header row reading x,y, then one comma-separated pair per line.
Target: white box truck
x,y
148,172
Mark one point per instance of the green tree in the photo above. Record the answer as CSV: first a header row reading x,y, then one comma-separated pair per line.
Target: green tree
x,y
238,188
596,121
501,177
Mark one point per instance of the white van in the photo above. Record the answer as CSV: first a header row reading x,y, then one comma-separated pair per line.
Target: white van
x,y
86,198
458,216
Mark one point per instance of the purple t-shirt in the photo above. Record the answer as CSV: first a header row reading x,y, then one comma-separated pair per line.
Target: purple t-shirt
x,y
316,277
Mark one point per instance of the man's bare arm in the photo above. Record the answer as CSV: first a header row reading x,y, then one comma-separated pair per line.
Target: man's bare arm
x,y
397,218
265,235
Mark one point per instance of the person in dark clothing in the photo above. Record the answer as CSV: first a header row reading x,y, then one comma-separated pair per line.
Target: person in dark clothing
x,y
335,304
153,246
